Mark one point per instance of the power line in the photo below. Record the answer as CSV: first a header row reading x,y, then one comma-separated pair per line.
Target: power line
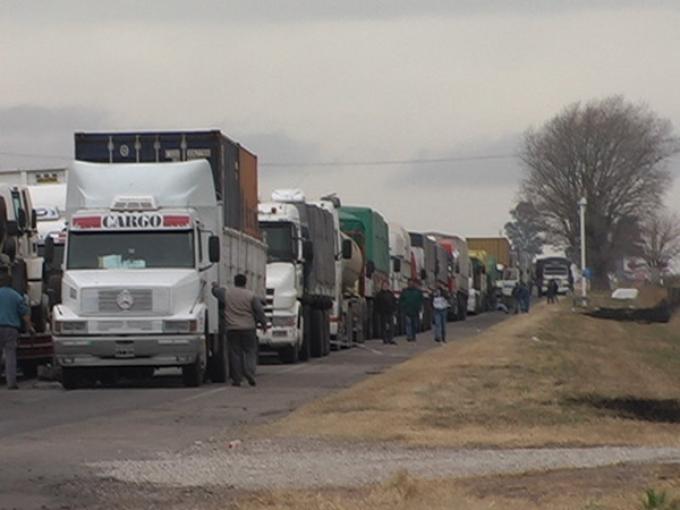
x,y
388,162
40,156
385,162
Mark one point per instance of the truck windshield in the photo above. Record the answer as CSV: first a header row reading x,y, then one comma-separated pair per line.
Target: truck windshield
x,y
130,250
280,240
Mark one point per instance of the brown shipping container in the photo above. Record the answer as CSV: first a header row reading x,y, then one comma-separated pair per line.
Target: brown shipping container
x,y
247,162
498,247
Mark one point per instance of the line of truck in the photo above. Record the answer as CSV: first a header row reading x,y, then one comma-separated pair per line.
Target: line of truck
x,y
151,219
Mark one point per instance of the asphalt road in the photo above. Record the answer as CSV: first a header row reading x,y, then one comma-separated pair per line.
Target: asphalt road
x,y
47,435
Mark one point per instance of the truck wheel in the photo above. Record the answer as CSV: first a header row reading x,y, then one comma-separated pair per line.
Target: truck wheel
x,y
192,374
317,339
289,355
39,317
19,277
219,362
306,327
327,332
368,321
72,378
29,369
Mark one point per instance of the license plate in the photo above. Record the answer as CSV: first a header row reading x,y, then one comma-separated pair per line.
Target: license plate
x,y
125,351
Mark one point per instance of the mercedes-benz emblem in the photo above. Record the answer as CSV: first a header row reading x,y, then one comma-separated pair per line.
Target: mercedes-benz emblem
x,y
125,300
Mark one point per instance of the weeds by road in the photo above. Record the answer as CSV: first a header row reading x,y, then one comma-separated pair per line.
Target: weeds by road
x,y
590,489
554,377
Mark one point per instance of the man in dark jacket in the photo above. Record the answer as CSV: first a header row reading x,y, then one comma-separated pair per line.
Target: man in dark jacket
x,y
386,306
411,302
242,314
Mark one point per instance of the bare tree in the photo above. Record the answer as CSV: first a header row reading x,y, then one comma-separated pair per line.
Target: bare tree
x,y
660,236
611,152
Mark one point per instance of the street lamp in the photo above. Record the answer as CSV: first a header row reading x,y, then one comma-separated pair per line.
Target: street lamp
x,y
582,210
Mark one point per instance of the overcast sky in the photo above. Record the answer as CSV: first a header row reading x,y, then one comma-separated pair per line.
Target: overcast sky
x,y
305,81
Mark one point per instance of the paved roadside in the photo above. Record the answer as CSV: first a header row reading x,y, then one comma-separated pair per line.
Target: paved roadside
x,y
49,437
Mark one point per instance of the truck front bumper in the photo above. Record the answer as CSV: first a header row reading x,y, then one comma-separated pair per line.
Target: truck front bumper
x,y
98,351
278,337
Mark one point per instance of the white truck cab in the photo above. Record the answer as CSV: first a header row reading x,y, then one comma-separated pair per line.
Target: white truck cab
x,y
282,228
143,246
301,275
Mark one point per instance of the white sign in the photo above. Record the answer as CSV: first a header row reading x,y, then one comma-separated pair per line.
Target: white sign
x,y
113,221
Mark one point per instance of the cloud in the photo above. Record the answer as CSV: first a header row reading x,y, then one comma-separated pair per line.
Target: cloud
x,y
490,164
266,11
34,136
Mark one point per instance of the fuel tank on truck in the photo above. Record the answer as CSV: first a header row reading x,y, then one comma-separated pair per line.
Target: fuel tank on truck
x,y
351,268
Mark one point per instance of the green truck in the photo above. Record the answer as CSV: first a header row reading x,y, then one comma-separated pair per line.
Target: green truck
x,y
369,231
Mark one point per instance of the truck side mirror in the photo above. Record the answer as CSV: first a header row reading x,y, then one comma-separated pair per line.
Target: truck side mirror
x,y
12,229
370,268
308,250
423,275
21,220
214,249
346,249
396,265
49,250
34,220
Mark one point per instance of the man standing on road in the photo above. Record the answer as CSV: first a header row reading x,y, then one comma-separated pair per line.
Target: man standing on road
x,y
386,306
411,302
440,307
13,311
242,314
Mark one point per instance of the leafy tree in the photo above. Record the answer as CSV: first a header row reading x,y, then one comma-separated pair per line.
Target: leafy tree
x,y
609,151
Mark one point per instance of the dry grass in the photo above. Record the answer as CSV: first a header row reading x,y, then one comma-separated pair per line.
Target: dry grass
x,y
552,377
613,488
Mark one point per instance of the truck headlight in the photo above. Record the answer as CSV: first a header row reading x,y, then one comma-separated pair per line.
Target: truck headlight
x,y
70,327
180,326
284,321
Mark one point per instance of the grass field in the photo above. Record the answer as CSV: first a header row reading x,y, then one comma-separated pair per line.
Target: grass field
x,y
612,488
553,377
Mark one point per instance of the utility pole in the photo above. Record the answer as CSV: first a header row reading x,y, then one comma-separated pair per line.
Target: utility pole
x,y
582,210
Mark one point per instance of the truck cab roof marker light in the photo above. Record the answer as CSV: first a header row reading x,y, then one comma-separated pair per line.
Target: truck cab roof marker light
x,y
85,222
177,220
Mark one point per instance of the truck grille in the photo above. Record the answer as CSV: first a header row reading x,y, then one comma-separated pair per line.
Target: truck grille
x,y
142,301
269,304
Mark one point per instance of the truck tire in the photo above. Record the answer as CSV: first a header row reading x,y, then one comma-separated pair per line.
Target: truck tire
x,y
327,332
368,321
289,355
219,361
306,326
462,307
19,277
29,369
72,378
193,374
317,339
39,317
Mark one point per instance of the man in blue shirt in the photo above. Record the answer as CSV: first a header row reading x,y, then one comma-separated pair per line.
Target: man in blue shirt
x,y
13,311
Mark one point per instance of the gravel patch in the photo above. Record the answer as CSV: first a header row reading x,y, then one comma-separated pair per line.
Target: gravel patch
x,y
269,464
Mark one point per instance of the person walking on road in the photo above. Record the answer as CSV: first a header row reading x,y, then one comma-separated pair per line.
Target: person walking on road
x,y
242,314
524,295
13,311
411,302
552,291
440,305
386,306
